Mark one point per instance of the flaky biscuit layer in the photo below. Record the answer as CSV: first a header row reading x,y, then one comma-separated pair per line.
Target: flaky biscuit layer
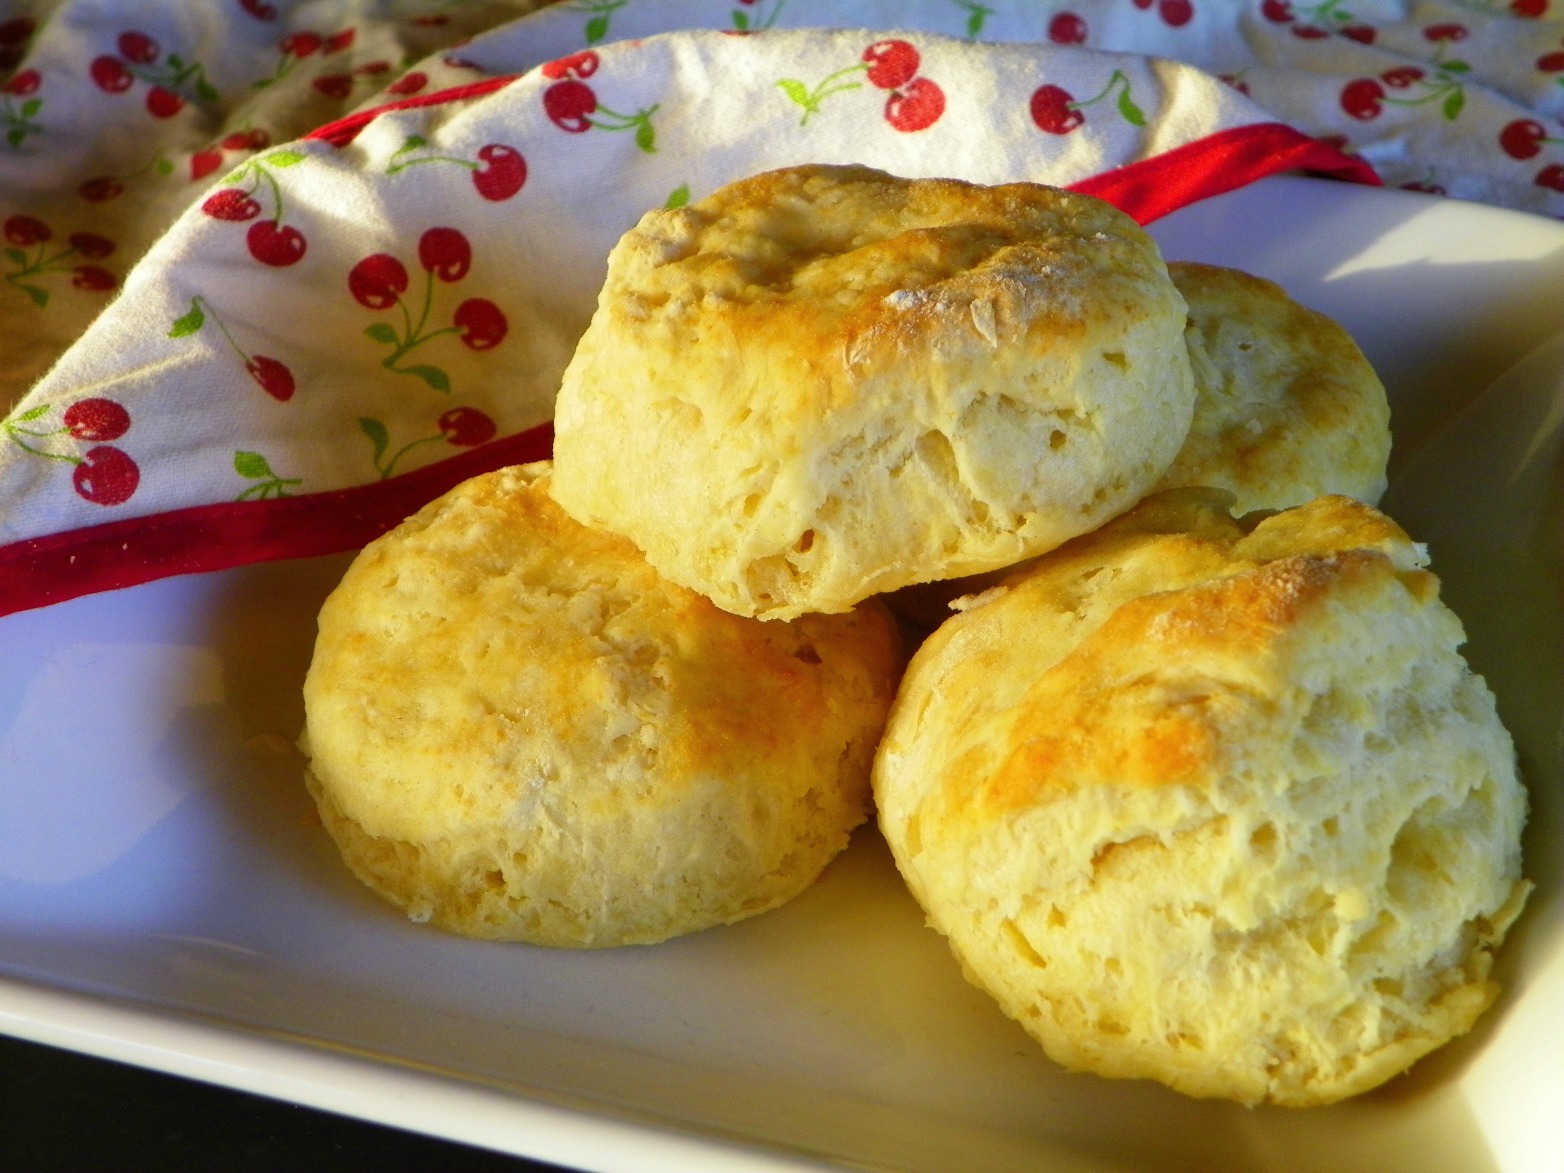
x,y
1214,803
822,383
518,730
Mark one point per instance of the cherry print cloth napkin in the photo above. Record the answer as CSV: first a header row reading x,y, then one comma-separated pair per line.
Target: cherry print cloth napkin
x,y
298,269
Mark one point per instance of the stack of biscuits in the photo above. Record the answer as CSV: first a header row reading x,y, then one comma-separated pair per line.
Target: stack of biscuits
x,y
1186,764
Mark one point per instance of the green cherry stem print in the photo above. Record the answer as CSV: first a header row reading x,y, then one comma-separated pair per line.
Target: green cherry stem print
x,y
572,105
914,103
498,172
1055,110
270,241
103,473
977,16
1313,22
1363,98
378,282
272,376
296,46
810,97
32,257
172,79
252,466
598,14
460,427
17,116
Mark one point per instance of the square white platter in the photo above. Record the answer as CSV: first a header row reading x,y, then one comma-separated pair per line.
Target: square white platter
x,y
167,897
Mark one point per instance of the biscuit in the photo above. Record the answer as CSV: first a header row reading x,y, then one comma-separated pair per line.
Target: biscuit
x,y
518,730
822,383
1287,408
1215,803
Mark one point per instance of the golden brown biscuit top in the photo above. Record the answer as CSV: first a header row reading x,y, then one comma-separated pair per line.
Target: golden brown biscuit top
x,y
1287,406
860,262
1150,643
845,236
491,626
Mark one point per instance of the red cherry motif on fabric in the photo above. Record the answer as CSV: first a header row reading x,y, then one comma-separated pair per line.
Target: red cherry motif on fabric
x,y
163,102
300,44
892,64
1551,176
498,173
231,204
1550,62
481,323
274,378
269,241
138,48
1401,76
501,172
334,85
25,231
100,188
1276,11
106,476
259,9
1523,138
1361,98
409,83
1067,29
1309,32
378,281
23,83
446,253
247,140
275,244
1446,32
97,420
568,104
339,41
1176,13
110,75
93,278
1361,33
91,245
466,427
582,64
1053,110
916,106
203,163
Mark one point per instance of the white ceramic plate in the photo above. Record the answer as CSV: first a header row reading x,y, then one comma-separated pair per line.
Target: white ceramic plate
x,y
167,898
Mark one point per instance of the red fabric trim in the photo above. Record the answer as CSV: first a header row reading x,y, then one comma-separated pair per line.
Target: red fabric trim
x,y
117,554
1219,162
344,130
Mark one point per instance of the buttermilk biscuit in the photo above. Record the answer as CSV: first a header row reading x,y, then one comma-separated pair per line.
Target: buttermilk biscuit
x,y
822,383
1286,408
517,730
1215,803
